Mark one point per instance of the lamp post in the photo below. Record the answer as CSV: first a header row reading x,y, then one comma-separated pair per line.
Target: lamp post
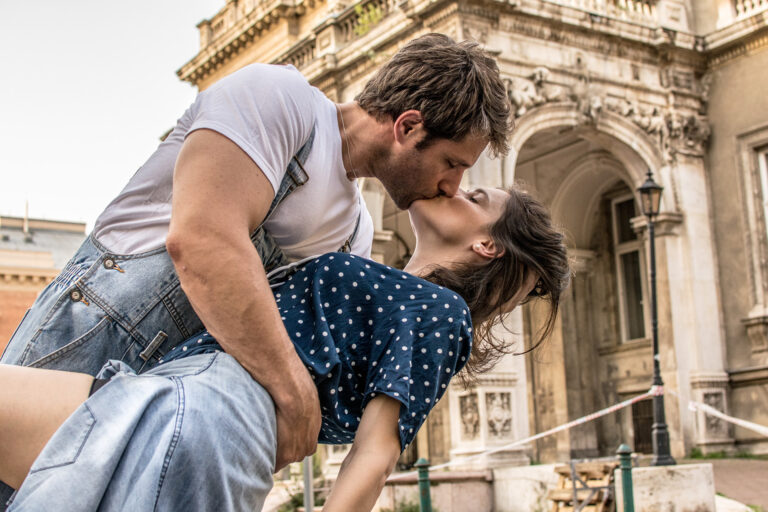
x,y
650,195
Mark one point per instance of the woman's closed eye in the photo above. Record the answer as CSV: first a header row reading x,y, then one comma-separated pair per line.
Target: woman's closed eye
x,y
478,195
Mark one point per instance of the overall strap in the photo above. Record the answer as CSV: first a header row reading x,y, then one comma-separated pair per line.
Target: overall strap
x,y
295,175
347,245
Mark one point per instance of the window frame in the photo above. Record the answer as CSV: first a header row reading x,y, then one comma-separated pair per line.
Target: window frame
x,y
619,249
761,154
752,152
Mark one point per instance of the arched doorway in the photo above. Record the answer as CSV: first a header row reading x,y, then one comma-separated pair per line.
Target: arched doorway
x,y
601,351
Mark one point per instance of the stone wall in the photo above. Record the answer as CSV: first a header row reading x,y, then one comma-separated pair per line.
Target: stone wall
x,y
739,103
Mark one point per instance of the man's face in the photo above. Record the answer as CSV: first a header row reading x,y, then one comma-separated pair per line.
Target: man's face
x,y
409,173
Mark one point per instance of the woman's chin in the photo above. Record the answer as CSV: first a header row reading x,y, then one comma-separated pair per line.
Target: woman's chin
x,y
416,214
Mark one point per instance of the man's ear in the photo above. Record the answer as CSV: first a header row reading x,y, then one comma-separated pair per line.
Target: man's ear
x,y
408,126
487,249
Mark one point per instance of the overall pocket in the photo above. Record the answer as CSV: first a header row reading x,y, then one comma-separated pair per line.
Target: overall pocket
x,y
86,353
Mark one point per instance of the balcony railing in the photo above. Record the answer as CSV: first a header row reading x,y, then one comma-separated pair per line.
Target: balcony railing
x,y
301,55
639,11
363,17
747,8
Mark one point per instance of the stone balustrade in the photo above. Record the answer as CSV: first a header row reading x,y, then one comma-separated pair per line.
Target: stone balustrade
x,y
639,11
746,8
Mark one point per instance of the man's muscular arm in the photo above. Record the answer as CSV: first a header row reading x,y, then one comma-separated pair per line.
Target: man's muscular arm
x,y
219,197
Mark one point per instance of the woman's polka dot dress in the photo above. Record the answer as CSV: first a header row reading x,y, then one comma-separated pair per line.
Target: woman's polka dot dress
x,y
364,329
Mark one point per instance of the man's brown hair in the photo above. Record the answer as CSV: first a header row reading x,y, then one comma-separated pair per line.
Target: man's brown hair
x,y
455,86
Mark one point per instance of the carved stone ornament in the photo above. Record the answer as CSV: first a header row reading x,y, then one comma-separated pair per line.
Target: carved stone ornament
x,y
475,32
470,417
674,133
499,409
715,426
526,93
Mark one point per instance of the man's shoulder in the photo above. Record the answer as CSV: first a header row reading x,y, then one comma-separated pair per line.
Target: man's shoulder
x,y
263,74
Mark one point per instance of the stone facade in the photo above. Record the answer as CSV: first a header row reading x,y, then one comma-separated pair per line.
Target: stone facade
x,y
603,91
32,252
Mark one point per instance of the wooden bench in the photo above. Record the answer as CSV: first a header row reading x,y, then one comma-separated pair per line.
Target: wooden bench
x,y
583,487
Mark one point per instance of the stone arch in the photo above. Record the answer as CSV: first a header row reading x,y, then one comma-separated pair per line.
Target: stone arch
x,y
590,175
579,169
626,141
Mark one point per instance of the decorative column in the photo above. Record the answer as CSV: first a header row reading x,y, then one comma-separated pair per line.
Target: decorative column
x,y
701,348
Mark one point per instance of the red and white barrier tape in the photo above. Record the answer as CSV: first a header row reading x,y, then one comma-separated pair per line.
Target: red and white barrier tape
x,y
708,409
655,390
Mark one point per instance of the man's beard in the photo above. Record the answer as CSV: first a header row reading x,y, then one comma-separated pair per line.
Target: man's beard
x,y
400,179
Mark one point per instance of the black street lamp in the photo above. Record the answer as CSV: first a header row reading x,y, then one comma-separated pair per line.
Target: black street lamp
x,y
650,198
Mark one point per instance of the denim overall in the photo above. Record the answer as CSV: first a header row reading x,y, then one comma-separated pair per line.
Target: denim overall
x,y
127,307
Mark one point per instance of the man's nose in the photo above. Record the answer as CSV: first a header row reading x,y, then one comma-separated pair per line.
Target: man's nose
x,y
449,185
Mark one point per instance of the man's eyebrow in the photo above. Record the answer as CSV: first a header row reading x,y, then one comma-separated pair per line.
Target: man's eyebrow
x,y
458,161
482,191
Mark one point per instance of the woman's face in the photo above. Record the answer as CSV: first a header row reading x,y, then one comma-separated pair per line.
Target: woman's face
x,y
457,220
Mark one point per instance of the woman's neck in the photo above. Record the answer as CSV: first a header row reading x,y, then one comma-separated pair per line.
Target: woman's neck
x,y
424,259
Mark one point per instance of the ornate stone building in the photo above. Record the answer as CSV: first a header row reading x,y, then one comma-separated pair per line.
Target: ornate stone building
x,y
32,253
603,91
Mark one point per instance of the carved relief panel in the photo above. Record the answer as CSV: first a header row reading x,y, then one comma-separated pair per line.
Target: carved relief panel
x,y
470,417
499,409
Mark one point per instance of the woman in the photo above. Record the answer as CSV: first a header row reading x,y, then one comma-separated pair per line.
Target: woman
x,y
197,433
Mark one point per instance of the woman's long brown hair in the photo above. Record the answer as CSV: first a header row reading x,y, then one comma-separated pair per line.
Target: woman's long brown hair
x,y
530,243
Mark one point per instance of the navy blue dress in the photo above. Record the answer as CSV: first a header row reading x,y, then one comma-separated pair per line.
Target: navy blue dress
x,y
362,329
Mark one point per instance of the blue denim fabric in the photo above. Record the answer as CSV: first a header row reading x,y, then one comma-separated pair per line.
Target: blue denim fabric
x,y
128,307
125,307
194,434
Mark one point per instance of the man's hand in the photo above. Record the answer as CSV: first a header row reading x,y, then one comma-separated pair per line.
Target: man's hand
x,y
220,196
298,421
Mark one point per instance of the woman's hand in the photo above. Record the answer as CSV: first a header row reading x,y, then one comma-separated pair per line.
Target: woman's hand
x,y
370,461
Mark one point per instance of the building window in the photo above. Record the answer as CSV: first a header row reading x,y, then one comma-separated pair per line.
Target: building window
x,y
630,267
762,166
753,161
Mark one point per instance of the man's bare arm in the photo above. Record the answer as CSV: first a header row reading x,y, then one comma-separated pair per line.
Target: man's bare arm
x,y
219,197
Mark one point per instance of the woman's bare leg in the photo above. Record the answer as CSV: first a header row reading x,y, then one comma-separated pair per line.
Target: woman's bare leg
x,y
33,405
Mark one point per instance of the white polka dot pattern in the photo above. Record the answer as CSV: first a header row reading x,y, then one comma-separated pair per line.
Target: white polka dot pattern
x,y
381,331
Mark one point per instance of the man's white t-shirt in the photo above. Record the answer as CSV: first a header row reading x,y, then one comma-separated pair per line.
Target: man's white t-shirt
x,y
269,112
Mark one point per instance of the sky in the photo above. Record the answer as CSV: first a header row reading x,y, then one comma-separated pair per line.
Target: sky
x,y
86,90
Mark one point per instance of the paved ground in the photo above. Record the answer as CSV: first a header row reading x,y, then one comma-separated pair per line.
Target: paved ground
x,y
743,480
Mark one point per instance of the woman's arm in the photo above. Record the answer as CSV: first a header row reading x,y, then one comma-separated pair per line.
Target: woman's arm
x,y
371,459
33,405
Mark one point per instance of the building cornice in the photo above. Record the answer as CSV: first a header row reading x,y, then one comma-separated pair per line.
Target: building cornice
x,y
33,224
748,376
542,19
26,277
609,29
738,39
220,45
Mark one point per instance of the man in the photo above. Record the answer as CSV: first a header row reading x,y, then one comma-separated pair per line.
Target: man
x,y
260,166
